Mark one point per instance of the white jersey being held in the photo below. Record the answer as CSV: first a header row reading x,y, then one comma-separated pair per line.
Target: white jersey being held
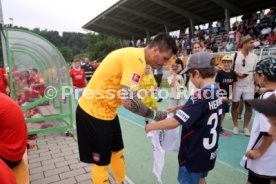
x,y
163,141
265,165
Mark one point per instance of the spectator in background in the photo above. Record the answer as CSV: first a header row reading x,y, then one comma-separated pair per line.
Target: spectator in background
x,y
36,86
180,66
213,47
176,83
238,38
197,47
221,48
148,85
257,43
25,77
265,32
78,78
3,80
95,65
88,69
16,77
244,63
261,14
179,50
188,45
158,74
204,46
271,39
206,36
13,131
37,82
226,82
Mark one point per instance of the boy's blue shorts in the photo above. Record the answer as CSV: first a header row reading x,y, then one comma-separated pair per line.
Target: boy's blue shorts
x,y
186,177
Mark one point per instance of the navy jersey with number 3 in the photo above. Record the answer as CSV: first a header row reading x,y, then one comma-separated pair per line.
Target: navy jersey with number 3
x,y
200,119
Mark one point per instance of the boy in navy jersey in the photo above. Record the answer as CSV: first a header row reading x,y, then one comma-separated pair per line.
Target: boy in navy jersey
x,y
200,118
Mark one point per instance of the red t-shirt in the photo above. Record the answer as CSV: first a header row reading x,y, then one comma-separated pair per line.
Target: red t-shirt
x,y
271,38
41,88
37,90
6,174
3,82
95,66
13,129
78,77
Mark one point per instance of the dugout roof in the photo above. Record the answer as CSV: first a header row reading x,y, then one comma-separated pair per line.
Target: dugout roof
x,y
135,18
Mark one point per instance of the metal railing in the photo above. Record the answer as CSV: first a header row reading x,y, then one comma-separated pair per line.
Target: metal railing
x,y
265,52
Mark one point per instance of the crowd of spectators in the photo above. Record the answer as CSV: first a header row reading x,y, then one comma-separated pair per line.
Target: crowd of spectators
x,y
259,25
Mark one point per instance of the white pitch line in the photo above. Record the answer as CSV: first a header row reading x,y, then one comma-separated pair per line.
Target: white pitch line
x,y
220,161
132,121
129,180
228,165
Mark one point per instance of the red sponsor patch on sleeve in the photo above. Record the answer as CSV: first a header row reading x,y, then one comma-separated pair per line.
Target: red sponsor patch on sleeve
x,y
135,79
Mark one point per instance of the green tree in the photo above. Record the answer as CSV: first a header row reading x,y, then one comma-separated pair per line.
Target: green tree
x,y
70,44
67,53
100,45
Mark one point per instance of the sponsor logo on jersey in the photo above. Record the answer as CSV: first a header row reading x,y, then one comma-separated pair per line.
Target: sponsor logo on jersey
x,y
182,115
214,155
135,79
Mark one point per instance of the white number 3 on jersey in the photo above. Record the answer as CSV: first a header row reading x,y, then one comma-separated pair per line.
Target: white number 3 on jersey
x,y
213,121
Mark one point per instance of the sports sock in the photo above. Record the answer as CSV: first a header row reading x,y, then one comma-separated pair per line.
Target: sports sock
x,y
99,174
117,165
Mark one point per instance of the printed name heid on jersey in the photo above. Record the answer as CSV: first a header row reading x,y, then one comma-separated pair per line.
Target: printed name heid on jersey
x,y
215,104
182,115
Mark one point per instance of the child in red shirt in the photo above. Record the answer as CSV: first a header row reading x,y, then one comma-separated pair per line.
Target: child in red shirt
x,y
3,81
78,78
36,86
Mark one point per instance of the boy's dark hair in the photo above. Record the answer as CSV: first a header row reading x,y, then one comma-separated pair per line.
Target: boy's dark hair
x,y
269,78
35,70
267,67
196,43
204,72
76,60
164,42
